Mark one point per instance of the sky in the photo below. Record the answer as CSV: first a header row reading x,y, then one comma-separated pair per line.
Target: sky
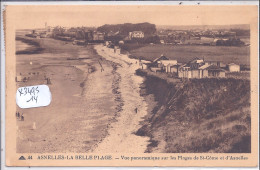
x,y
27,17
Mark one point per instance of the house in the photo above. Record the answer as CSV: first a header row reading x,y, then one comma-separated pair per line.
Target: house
x,y
216,63
136,34
156,62
80,34
232,67
191,69
214,71
205,71
197,68
184,71
166,64
98,36
195,63
211,71
162,57
162,42
144,65
174,68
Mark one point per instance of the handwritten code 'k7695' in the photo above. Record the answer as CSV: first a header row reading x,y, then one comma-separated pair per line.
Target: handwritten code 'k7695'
x,y
33,96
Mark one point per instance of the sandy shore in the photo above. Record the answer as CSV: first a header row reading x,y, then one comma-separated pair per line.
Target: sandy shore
x,y
83,103
92,110
121,136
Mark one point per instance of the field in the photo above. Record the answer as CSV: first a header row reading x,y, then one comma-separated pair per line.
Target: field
x,y
239,55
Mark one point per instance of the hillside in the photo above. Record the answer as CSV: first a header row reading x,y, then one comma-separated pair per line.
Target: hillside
x,y
124,29
204,115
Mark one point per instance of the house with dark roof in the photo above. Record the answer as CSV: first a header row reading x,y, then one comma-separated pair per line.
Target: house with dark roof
x,y
211,71
197,68
156,64
162,57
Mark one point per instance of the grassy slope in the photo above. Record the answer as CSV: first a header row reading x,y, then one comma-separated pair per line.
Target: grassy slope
x,y
208,115
183,53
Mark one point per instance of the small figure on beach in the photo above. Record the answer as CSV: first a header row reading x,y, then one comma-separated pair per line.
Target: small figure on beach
x,y
136,110
48,80
34,126
18,115
22,117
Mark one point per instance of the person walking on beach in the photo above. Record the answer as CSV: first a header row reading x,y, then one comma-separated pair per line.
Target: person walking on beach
x,y
18,115
136,110
22,117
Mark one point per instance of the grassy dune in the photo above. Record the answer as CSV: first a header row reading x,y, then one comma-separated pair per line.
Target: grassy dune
x,y
207,115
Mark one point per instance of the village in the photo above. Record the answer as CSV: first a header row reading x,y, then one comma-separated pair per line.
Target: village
x,y
143,33
198,67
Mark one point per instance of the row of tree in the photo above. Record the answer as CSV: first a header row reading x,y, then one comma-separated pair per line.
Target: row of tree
x,y
230,42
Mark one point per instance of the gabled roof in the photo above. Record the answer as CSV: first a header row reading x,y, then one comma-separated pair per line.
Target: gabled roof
x,y
214,67
166,62
162,57
232,64
195,60
204,67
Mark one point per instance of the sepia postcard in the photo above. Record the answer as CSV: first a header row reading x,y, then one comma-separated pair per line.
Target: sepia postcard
x,y
131,85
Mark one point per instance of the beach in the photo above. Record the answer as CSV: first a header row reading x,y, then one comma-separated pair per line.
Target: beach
x,y
96,103
133,110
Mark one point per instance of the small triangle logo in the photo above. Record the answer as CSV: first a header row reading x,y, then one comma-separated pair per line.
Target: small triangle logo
x,y
22,158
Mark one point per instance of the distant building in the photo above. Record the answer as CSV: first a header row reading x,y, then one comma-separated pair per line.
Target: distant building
x,y
197,68
232,67
162,57
167,64
136,34
144,64
216,63
98,36
162,41
211,71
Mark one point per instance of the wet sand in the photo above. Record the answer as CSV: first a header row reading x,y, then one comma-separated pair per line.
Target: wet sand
x,y
91,110
82,104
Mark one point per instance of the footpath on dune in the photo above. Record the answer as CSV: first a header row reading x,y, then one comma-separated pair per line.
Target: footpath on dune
x,y
121,137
